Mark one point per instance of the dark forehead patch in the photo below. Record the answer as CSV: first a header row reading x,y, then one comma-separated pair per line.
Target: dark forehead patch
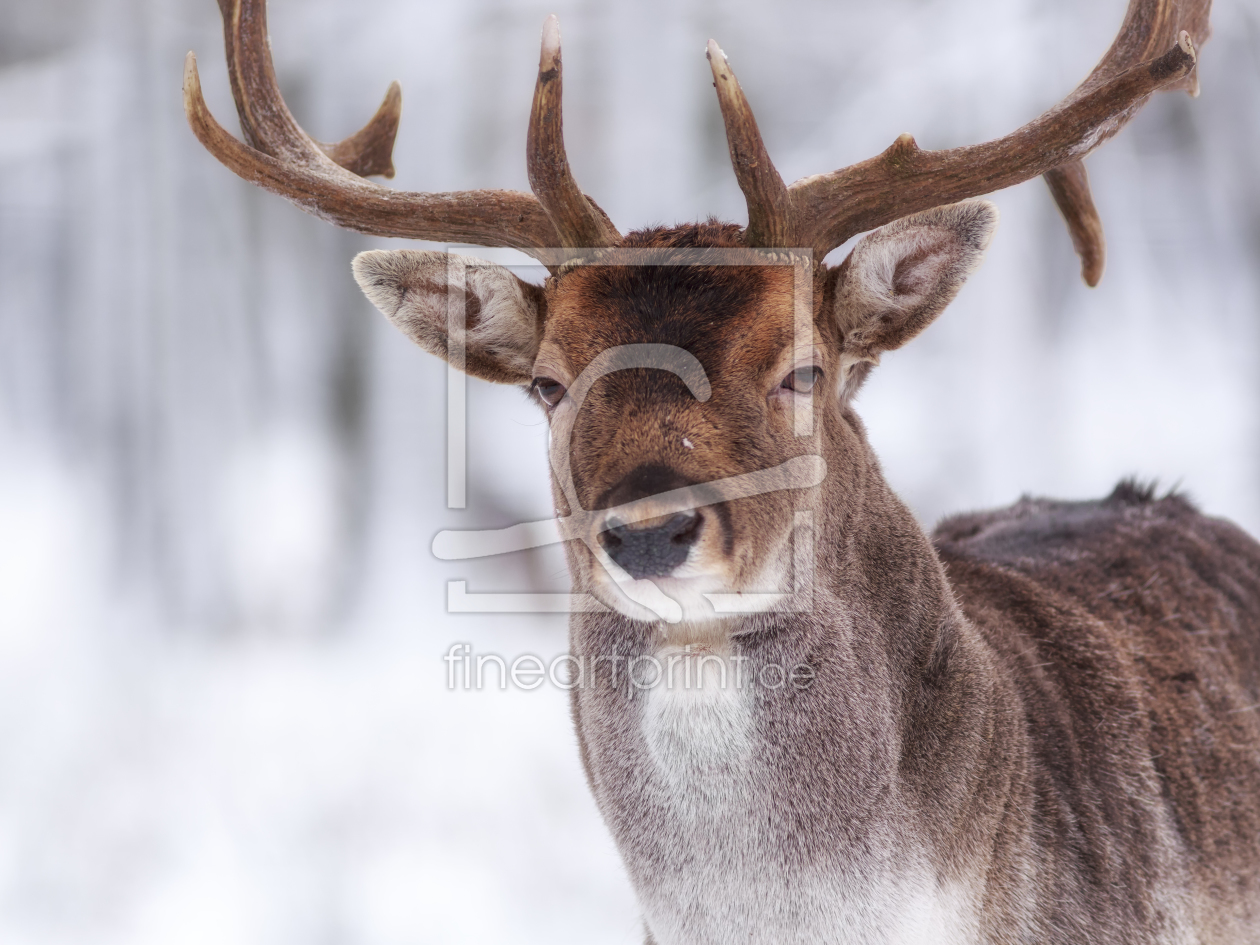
x,y
706,309
674,303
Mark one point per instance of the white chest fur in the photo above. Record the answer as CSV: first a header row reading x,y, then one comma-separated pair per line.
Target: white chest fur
x,y
698,724
728,880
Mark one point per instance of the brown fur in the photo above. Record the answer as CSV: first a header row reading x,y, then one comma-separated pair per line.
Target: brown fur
x,y
1044,722
1128,630
1071,714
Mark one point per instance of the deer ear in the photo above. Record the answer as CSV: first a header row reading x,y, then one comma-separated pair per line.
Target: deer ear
x,y
503,315
899,278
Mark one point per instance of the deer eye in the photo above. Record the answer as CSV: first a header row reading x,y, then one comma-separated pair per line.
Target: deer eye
x,y
551,391
803,379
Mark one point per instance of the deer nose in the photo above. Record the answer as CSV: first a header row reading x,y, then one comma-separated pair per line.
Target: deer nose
x,y
653,549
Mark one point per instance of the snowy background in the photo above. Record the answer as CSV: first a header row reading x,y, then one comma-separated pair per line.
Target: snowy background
x,y
223,709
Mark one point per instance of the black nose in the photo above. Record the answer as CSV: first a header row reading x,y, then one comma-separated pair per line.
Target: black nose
x,y
654,551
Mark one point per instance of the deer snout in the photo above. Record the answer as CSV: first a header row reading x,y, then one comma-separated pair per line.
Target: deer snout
x,y
644,530
654,548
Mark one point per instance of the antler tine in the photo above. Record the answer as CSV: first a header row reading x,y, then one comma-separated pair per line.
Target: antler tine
x,y
830,208
1147,28
1069,184
265,119
769,207
576,217
370,150
327,190
324,179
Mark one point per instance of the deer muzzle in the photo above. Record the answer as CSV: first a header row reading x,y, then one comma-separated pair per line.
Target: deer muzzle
x,y
655,548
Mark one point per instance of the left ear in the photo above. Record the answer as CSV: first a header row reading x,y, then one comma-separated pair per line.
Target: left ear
x,y
503,315
900,277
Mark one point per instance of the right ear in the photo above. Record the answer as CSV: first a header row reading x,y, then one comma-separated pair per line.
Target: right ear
x,y
503,315
900,277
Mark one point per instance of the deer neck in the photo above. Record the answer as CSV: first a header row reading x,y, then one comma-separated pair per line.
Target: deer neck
x,y
713,783
874,564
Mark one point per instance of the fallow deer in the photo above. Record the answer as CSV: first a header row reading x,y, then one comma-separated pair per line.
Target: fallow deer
x,y
1038,725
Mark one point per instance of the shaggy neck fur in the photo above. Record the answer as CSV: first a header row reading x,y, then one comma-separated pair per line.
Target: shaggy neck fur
x,y
1023,772
767,811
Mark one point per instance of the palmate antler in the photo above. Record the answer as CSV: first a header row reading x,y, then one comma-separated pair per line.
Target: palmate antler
x,y
823,211
328,180
819,212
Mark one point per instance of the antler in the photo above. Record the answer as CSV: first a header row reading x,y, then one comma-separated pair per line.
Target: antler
x,y
769,206
824,211
327,180
579,221
1147,29
265,119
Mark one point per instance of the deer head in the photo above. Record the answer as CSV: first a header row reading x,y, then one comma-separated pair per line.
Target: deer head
x,y
698,380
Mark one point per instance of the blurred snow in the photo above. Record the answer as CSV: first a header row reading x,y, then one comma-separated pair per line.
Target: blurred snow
x,y
223,706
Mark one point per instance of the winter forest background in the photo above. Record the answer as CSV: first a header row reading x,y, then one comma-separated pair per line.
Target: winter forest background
x,y
223,709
